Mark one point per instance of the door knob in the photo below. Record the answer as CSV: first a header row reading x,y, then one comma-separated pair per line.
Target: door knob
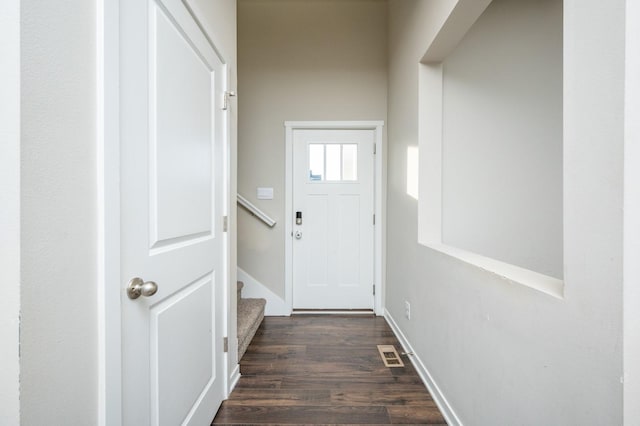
x,y
138,287
298,235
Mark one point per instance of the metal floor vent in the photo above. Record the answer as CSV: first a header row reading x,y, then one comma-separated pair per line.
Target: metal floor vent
x,y
390,356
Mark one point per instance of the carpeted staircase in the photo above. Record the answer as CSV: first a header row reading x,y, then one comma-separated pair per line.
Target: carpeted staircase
x,y
250,315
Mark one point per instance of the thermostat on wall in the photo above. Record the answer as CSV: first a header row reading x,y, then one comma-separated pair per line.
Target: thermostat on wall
x,y
265,194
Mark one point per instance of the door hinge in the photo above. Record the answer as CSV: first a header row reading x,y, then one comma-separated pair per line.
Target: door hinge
x,y
225,99
225,344
225,223
374,289
374,218
374,149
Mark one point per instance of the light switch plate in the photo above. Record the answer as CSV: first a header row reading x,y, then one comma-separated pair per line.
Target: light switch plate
x,y
265,194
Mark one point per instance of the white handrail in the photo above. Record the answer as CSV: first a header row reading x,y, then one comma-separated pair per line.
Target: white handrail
x,y
256,211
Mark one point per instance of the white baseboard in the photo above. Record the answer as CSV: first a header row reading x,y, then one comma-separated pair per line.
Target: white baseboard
x,y
233,379
434,390
336,312
276,307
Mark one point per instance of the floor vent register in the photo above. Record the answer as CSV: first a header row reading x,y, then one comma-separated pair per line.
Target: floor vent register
x,y
390,356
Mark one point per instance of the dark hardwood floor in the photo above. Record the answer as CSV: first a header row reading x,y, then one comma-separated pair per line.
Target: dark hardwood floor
x,y
326,369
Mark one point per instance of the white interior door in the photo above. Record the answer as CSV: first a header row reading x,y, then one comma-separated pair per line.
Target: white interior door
x,y
333,230
172,136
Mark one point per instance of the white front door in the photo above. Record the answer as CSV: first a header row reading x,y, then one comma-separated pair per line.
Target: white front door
x,y
333,229
172,140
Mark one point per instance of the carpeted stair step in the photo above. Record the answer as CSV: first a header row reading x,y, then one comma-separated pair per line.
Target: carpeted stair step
x,y
250,315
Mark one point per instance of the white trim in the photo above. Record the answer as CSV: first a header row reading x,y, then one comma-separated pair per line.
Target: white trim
x,y
226,208
379,201
288,218
275,307
10,212
336,312
234,377
437,395
108,203
631,236
430,111
231,330
342,125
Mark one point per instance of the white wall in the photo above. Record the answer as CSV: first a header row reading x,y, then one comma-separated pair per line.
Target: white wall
x,y
58,333
503,353
502,137
10,211
310,60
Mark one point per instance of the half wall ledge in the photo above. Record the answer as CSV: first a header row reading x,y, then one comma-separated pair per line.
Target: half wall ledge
x,y
549,285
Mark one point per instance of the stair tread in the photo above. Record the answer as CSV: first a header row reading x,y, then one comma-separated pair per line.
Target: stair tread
x,y
249,310
250,315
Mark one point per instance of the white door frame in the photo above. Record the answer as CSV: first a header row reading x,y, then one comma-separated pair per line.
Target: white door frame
x,y
110,287
379,201
631,269
10,212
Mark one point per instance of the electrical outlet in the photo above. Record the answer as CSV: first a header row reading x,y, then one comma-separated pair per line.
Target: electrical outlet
x,y
407,310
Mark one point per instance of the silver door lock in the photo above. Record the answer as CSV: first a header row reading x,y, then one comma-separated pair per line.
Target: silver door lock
x,y
138,287
298,235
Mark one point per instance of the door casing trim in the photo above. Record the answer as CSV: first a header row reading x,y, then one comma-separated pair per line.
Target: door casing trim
x,y
108,208
379,202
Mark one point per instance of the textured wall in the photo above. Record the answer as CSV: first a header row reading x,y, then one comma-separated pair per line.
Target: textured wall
x,y
58,334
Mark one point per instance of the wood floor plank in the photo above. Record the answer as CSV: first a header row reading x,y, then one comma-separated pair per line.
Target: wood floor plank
x,y
382,396
279,397
329,353
409,383
326,369
259,382
415,415
332,368
302,415
277,351
337,340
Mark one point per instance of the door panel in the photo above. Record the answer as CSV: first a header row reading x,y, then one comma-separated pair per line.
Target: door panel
x,y
181,365
333,189
181,132
316,234
348,255
172,137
